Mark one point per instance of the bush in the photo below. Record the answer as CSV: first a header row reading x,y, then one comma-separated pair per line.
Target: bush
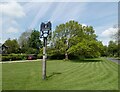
x,y
11,57
6,58
56,56
72,56
39,56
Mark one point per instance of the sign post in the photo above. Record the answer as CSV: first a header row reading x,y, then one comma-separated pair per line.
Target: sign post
x,y
45,31
44,59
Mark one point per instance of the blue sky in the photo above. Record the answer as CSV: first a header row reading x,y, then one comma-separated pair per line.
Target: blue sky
x,y
17,17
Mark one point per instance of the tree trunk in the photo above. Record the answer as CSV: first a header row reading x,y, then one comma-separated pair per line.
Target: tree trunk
x,y
66,55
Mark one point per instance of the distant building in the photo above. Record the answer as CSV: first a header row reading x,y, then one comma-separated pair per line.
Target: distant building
x,y
3,49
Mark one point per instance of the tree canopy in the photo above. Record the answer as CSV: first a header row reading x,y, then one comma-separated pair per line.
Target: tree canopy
x,y
13,46
73,38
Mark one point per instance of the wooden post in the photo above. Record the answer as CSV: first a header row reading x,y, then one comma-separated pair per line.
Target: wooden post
x,y
44,58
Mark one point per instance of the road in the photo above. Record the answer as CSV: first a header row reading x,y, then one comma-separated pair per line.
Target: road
x,y
114,60
20,61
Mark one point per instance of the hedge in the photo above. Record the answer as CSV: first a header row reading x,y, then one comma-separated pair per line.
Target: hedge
x,y
39,56
11,57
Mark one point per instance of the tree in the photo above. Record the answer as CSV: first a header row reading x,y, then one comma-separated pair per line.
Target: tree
x,y
34,41
23,41
105,51
112,48
12,45
116,37
62,35
30,42
89,49
73,38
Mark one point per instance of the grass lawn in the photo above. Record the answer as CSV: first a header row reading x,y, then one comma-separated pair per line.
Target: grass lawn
x,y
92,74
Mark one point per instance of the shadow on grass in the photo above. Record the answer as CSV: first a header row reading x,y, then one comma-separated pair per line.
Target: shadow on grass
x,y
53,74
86,60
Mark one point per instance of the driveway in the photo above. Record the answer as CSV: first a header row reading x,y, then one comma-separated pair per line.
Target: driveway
x,y
114,60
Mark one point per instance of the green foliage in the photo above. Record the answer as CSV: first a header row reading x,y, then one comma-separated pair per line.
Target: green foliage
x,y
77,40
30,42
113,49
69,39
12,57
86,49
13,46
40,56
114,46
52,53
31,51
23,39
34,41
104,51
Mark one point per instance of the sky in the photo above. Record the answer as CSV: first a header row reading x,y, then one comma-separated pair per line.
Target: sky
x,y
18,17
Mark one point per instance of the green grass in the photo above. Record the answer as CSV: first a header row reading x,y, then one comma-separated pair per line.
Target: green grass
x,y
92,74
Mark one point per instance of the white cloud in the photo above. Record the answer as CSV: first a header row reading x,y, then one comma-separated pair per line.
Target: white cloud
x,y
12,9
11,12
84,25
109,32
12,30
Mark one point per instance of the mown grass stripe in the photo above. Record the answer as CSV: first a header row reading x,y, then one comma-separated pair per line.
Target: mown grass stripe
x,y
73,75
65,82
68,74
90,76
104,76
113,65
109,75
81,69
80,77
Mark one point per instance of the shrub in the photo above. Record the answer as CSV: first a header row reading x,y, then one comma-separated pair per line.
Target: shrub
x,y
39,56
56,56
11,57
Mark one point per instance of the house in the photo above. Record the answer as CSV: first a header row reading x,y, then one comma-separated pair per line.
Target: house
x,y
3,49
